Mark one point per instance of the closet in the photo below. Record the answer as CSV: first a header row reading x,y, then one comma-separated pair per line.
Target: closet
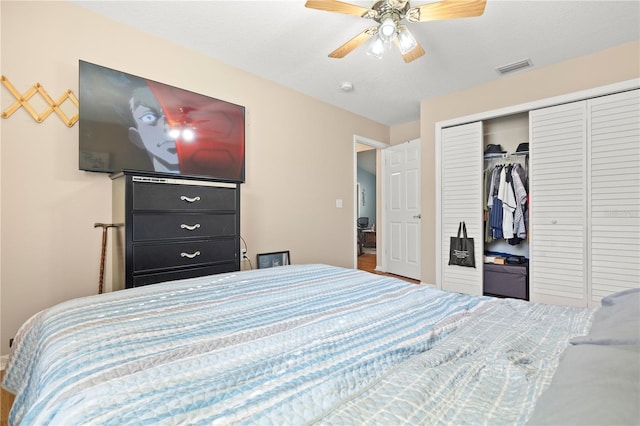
x,y
583,168
585,221
464,197
506,209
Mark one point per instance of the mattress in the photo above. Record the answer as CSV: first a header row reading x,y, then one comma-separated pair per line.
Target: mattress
x,y
301,344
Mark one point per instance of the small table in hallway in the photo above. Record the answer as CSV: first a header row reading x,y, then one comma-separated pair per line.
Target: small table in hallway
x,y
369,238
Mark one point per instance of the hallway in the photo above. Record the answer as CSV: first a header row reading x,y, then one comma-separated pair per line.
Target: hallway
x,y
367,262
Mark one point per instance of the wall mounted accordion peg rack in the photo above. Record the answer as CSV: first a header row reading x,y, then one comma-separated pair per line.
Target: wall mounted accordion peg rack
x,y
65,102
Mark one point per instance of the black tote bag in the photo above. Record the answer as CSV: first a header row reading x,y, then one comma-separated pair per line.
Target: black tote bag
x,y
461,249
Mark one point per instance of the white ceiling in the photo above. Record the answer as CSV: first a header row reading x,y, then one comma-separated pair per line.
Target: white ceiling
x,y
287,43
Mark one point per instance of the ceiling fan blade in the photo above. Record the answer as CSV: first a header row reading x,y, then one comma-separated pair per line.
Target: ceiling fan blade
x,y
446,9
337,6
411,55
349,46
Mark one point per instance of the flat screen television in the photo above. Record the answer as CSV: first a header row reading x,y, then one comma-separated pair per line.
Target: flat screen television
x,y
136,124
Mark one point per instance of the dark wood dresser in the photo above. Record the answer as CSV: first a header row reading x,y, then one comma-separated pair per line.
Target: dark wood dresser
x,y
173,228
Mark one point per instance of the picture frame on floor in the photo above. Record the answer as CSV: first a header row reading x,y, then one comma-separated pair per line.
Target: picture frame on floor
x,y
277,258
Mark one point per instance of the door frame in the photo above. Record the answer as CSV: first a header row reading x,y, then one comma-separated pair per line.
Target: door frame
x,y
379,235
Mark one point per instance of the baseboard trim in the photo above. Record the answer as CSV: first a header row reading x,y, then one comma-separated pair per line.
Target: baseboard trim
x,y
3,361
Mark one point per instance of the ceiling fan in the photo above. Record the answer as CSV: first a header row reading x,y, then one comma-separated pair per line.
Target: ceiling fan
x,y
389,14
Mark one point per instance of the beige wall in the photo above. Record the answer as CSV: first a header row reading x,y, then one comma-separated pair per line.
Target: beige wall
x,y
609,66
404,132
50,249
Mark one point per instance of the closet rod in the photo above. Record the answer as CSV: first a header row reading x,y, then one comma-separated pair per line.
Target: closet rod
x,y
501,158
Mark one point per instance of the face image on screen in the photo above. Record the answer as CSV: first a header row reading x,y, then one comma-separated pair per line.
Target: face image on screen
x,y
132,123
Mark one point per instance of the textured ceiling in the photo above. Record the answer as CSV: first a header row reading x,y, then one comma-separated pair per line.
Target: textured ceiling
x,y
287,43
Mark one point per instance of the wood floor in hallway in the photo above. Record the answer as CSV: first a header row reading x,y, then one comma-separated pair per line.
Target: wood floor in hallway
x,y
367,262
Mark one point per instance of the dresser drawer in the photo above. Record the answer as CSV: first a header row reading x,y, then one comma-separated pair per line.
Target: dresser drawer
x,y
153,278
163,197
149,257
147,227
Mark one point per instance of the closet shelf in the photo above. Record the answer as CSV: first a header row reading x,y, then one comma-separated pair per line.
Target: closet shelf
x,y
505,155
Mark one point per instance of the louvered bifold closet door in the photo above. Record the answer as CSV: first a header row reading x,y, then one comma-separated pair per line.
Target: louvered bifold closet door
x,y
557,213
614,148
461,200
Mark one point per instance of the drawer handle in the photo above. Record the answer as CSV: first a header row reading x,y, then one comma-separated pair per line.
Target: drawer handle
x,y
190,255
190,227
189,199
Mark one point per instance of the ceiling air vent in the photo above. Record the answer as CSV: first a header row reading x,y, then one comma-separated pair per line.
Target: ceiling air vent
x,y
514,66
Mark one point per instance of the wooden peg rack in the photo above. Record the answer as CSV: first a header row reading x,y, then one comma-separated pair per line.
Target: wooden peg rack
x,y
22,100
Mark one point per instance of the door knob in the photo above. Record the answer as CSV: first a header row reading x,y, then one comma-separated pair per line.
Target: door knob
x,y
418,216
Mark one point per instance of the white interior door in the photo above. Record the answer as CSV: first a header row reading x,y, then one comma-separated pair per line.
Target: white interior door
x,y
461,201
557,210
402,209
614,190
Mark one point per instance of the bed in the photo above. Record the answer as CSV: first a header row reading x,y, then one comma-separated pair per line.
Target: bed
x,y
299,344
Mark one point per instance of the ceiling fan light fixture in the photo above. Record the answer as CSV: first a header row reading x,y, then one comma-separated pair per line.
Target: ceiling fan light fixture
x,y
389,14
406,42
376,47
387,29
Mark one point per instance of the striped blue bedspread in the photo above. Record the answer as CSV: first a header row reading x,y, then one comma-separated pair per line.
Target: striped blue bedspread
x,y
286,346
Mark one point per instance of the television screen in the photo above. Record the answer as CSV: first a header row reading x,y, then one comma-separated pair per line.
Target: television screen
x,y
133,123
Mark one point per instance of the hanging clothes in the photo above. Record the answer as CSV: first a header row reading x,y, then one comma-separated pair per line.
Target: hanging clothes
x,y
495,205
506,195
493,185
520,192
505,190
496,218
